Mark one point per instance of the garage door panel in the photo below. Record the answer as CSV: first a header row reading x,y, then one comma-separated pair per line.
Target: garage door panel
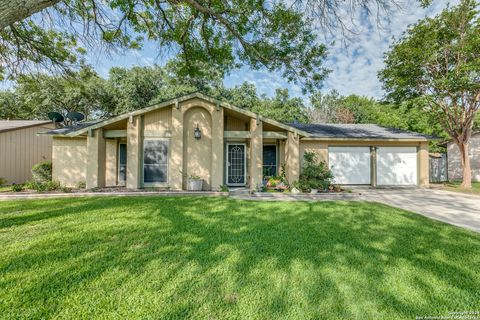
x,y
397,166
350,165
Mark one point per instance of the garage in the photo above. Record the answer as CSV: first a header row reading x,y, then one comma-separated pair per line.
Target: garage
x,y
350,165
396,166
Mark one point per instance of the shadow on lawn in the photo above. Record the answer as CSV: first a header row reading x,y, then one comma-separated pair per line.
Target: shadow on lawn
x,y
327,259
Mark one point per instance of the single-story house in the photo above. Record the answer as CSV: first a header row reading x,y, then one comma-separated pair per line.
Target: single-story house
x,y
159,145
21,148
455,171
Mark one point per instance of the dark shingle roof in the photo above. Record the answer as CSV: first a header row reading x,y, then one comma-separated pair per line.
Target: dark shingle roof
x,y
357,131
69,129
7,125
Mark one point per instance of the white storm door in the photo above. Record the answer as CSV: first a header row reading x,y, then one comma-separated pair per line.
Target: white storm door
x,y
350,165
396,166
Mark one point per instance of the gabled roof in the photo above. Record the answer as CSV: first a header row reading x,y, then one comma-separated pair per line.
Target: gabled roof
x,y
358,131
79,130
8,125
308,131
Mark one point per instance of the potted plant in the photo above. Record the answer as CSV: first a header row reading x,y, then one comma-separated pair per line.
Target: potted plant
x,y
194,183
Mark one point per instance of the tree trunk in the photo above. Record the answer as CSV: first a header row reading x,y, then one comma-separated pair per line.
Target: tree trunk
x,y
12,11
467,171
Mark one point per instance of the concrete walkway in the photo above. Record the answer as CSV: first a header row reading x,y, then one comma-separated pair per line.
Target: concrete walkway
x,y
34,195
459,209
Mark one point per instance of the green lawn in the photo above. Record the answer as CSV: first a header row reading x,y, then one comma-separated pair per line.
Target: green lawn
x,y
455,186
215,258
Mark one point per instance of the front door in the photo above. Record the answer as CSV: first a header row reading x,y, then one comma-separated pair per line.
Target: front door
x,y
236,164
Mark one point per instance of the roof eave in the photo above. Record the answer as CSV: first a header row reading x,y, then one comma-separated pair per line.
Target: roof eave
x,y
25,127
313,138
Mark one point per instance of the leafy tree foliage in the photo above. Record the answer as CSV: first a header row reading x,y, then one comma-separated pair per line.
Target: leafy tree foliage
x,y
282,107
258,33
37,94
130,89
437,61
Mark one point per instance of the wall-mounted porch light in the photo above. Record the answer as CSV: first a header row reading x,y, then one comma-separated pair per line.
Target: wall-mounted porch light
x,y
197,133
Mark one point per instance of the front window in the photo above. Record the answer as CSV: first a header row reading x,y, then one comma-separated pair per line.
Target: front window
x,y
155,161
269,160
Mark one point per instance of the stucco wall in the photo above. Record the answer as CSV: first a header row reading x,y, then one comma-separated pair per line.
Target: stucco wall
x,y
197,154
455,171
111,167
21,149
320,148
69,160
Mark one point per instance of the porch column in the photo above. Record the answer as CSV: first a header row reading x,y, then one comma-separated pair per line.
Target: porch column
x,y
175,163
292,157
134,152
373,166
95,159
217,148
256,153
423,166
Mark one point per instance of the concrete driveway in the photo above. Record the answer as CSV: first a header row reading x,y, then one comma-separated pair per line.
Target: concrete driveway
x,y
451,207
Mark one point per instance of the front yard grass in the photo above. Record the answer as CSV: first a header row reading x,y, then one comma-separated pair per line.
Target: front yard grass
x,y
455,186
217,258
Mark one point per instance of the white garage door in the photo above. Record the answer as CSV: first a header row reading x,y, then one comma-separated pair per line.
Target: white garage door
x,y
350,165
396,166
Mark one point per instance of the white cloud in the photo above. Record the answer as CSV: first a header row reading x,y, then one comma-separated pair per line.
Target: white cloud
x,y
355,66
354,63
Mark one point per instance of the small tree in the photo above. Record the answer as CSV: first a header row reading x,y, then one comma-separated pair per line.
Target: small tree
x,y
315,174
438,61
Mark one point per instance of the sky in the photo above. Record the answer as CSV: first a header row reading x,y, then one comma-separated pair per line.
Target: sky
x,y
353,63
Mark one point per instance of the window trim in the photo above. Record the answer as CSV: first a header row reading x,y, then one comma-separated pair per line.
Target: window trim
x,y
155,184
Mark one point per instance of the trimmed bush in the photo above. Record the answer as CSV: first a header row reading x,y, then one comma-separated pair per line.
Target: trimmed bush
x,y
17,187
52,185
42,172
81,185
315,174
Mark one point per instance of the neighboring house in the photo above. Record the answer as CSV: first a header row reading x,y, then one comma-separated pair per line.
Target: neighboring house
x,y
455,171
159,145
21,148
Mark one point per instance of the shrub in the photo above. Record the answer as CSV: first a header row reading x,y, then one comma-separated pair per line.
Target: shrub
x,y
315,174
81,185
2,181
17,187
30,185
42,172
66,189
52,185
224,188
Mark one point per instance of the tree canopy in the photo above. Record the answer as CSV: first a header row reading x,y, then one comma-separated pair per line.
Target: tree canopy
x,y
436,63
131,89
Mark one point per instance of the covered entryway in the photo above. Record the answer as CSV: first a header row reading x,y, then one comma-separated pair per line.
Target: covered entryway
x,y
350,165
396,166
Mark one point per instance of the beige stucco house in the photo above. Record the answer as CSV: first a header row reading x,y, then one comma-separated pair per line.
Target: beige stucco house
x,y
21,148
158,146
455,171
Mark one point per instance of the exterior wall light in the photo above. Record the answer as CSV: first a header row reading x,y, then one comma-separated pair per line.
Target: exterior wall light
x,y
197,133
